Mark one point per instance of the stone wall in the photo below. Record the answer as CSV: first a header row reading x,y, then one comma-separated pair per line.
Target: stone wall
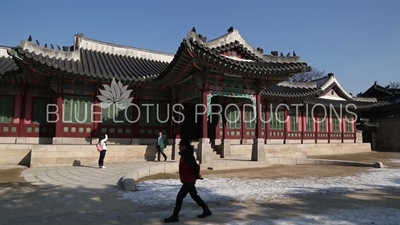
x,y
388,134
35,155
62,155
300,150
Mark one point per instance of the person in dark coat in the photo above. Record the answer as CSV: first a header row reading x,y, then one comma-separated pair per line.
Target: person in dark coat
x,y
160,145
189,172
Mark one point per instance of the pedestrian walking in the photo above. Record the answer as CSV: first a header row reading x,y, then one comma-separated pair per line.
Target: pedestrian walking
x,y
160,146
103,144
189,172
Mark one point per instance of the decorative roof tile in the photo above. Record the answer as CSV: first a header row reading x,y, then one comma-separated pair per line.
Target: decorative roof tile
x,y
95,59
96,64
232,39
384,91
292,67
340,103
7,64
291,90
390,101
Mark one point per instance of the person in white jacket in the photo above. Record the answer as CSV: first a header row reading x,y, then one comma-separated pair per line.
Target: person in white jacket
x,y
103,143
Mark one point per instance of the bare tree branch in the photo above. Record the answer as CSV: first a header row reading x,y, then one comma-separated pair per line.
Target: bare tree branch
x,y
308,76
394,85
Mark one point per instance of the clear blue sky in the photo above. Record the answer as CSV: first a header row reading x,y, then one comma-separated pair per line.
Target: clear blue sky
x,y
357,40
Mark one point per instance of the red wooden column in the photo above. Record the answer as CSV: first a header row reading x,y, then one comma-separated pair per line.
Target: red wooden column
x,y
303,123
343,123
28,114
177,118
258,150
204,148
170,125
316,126
258,117
242,123
285,125
204,122
176,132
329,120
267,116
59,124
96,117
16,112
354,128
135,118
21,127
225,144
224,121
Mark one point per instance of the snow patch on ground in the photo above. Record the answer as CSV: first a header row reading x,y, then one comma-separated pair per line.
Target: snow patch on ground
x,y
375,215
163,192
395,160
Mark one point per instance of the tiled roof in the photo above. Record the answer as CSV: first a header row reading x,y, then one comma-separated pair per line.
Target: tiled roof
x,y
291,90
390,101
340,103
236,45
93,59
371,92
321,81
95,64
330,82
233,40
195,53
253,66
7,64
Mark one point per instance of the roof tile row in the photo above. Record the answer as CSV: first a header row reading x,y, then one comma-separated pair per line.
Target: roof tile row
x,y
253,65
97,64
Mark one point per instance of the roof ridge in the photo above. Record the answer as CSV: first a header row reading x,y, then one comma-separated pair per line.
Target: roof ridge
x,y
234,36
3,46
31,47
90,44
4,52
298,84
324,77
126,46
364,99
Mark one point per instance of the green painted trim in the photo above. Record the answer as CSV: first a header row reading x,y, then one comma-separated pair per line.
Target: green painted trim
x,y
230,95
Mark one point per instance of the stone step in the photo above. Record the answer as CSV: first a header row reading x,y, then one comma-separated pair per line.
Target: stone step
x,y
214,155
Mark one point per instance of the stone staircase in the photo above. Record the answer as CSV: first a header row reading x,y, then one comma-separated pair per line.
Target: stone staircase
x,y
214,155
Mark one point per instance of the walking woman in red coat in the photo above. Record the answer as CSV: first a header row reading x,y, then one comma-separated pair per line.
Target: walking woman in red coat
x,y
189,172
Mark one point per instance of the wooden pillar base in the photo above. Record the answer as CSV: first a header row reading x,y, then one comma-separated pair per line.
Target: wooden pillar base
x,y
175,148
258,152
225,148
204,151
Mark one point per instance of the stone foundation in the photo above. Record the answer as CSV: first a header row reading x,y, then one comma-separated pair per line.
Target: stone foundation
x,y
80,141
62,155
35,155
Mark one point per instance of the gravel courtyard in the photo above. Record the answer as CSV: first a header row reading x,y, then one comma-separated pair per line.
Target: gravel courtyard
x,y
306,194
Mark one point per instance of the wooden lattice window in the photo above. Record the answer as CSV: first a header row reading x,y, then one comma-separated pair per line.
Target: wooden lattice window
x,y
322,123
263,119
349,124
310,123
114,115
153,114
294,122
276,120
77,109
40,115
6,109
250,120
335,124
234,118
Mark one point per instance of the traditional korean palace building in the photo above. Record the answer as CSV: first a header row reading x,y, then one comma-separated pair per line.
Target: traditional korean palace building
x,y
226,72
382,124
